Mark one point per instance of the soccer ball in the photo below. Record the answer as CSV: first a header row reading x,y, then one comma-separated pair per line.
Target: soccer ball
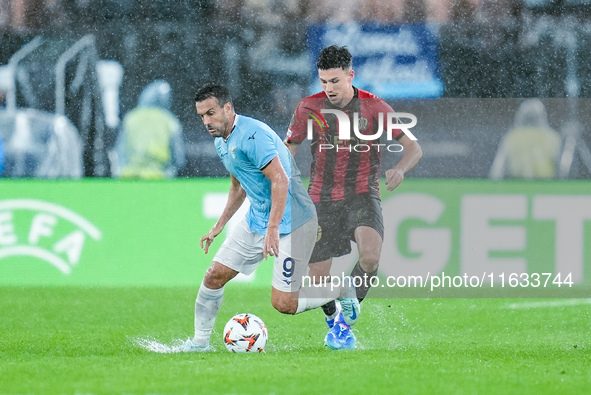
x,y
245,333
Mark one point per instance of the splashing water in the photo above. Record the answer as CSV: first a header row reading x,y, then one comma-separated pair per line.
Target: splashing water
x,y
155,346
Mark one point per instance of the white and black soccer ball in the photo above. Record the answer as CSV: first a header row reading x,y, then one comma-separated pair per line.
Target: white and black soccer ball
x,y
245,333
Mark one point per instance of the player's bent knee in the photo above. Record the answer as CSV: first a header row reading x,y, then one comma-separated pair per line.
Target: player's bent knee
x,y
285,305
284,308
370,266
369,261
217,275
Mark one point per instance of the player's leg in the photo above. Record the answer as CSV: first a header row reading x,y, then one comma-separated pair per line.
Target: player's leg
x,y
290,267
368,232
208,302
369,244
241,252
320,273
332,241
295,302
366,228
287,301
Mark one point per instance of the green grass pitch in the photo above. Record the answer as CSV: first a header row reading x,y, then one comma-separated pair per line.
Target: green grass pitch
x,y
83,341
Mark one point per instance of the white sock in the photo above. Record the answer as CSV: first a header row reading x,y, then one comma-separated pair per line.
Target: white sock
x,y
305,304
207,305
311,298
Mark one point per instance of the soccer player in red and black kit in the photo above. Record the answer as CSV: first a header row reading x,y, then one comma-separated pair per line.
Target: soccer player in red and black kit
x,y
344,183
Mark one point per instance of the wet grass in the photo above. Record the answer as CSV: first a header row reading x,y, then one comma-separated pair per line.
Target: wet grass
x,y
84,341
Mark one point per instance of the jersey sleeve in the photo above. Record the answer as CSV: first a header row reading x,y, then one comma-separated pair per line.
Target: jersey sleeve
x,y
298,126
261,149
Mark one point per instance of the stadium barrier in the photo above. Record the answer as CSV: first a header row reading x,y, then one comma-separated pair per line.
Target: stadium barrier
x,y
101,232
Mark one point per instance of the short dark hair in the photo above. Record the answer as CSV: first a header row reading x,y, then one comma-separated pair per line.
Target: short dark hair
x,y
334,57
220,92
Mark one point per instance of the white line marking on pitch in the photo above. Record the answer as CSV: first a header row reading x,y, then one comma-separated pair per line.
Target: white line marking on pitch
x,y
547,303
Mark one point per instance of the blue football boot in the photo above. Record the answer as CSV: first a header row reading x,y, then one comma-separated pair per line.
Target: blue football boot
x,y
340,336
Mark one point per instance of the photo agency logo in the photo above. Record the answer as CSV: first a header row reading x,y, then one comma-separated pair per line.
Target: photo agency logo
x,y
358,140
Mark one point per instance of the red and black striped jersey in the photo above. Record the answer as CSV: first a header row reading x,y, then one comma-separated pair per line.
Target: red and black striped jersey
x,y
341,168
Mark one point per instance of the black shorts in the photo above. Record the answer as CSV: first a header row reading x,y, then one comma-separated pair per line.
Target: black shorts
x,y
338,220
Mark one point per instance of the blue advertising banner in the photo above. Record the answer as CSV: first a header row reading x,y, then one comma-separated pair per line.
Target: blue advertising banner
x,y
389,61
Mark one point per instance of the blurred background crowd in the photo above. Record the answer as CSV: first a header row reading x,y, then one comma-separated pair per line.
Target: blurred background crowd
x,y
83,65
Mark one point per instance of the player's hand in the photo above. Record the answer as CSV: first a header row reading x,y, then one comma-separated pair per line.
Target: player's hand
x,y
271,243
208,238
393,178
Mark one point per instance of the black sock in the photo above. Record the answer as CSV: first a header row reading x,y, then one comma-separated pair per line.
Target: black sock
x,y
363,279
329,308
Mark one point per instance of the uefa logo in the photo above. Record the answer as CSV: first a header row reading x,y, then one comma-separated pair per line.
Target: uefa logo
x,y
46,231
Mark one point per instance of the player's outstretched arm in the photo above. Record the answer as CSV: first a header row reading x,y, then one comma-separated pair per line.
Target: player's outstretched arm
x,y
235,199
275,172
411,156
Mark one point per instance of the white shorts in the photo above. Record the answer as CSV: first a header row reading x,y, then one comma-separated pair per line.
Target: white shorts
x,y
243,251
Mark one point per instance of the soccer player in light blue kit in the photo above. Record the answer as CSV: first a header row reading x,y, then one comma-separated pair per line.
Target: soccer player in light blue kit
x,y
281,221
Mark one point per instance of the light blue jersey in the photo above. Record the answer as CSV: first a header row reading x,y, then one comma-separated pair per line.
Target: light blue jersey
x,y
250,148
